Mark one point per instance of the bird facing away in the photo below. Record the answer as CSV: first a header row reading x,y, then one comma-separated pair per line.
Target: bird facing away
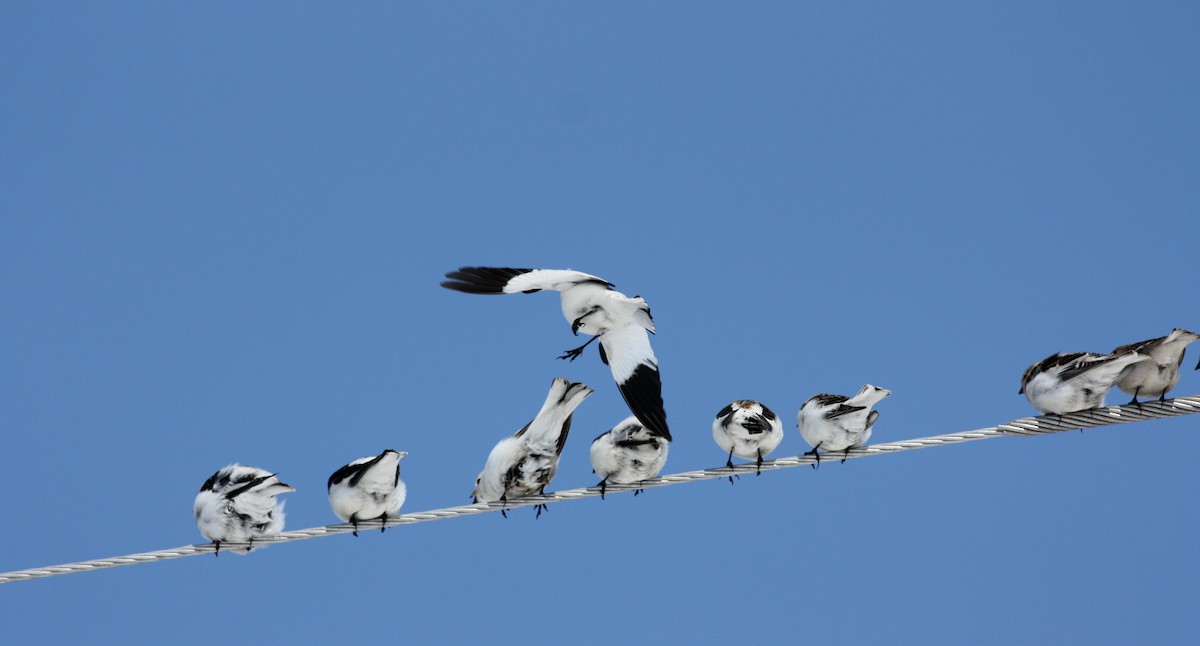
x,y
1066,383
628,453
748,430
525,463
237,504
1159,375
368,488
837,422
593,307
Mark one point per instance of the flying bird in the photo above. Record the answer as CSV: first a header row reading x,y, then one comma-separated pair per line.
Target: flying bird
x,y
1066,383
837,422
368,488
748,430
525,463
1160,374
628,453
592,307
237,504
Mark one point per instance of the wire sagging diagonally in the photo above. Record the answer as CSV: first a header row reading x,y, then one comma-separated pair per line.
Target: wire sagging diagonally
x,y
1046,424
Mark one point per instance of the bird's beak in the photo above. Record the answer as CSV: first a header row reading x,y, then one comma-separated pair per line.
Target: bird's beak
x,y
402,453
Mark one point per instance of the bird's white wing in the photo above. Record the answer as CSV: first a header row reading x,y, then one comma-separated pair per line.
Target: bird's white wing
x,y
626,350
509,280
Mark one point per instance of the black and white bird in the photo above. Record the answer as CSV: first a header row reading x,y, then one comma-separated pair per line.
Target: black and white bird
x,y
368,488
591,305
1066,383
526,462
748,430
1156,377
839,423
628,453
237,505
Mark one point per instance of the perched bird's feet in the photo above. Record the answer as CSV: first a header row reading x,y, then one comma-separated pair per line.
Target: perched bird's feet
x,y
382,523
603,486
758,465
540,508
846,456
216,548
637,491
816,456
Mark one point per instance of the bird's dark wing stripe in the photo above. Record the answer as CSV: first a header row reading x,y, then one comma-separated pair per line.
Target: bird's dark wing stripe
x,y
1081,367
871,417
632,443
482,280
365,467
842,410
210,483
643,394
562,437
768,413
1139,346
828,400
523,429
248,486
347,471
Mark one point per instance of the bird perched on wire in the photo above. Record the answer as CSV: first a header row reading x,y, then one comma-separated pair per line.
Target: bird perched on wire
x,y
368,488
526,462
592,307
748,430
1157,376
837,422
628,453
237,505
1066,383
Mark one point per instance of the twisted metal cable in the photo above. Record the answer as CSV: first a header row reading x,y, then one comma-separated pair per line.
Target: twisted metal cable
x,y
1025,426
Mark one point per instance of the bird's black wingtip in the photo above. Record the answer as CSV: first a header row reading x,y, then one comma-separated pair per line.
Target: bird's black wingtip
x,y
481,280
643,393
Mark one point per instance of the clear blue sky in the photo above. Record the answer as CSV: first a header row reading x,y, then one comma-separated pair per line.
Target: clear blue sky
x,y
223,227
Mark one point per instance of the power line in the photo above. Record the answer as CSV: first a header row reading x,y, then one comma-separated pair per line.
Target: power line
x,y
1025,426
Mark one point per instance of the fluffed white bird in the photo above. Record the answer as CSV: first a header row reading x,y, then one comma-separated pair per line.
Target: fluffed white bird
x,y
1159,375
748,430
628,453
237,504
1066,383
368,488
593,307
526,462
837,422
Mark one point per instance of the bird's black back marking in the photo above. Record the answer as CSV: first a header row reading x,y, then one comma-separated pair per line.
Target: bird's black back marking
x,y
768,413
643,394
523,429
483,280
603,357
871,417
725,411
